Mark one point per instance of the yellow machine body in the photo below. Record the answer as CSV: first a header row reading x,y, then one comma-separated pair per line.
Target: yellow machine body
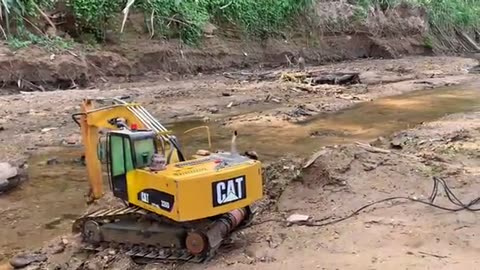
x,y
197,189
181,191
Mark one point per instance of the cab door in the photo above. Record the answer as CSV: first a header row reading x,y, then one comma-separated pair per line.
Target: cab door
x,y
121,163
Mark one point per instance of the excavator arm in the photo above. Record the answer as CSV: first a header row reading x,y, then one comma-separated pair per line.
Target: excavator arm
x,y
119,115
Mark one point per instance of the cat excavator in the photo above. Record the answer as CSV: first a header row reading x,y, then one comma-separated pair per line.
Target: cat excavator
x,y
173,208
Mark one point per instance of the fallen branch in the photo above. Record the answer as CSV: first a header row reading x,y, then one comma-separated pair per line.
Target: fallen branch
x,y
45,16
470,41
314,157
377,150
433,255
373,149
336,78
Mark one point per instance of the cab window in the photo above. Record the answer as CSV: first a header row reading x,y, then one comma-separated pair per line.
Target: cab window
x,y
144,150
120,155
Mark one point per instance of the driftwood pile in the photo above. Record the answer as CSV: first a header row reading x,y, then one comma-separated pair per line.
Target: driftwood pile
x,y
310,77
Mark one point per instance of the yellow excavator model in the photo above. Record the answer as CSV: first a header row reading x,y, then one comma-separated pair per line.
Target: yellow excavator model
x,y
175,209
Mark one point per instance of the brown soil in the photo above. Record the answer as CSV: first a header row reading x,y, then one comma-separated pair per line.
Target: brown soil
x,y
178,83
33,69
342,178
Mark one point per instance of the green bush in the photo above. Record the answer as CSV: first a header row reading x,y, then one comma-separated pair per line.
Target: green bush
x,y
188,17
442,14
92,16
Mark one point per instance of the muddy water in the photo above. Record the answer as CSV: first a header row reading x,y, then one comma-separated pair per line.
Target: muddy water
x,y
45,206
364,121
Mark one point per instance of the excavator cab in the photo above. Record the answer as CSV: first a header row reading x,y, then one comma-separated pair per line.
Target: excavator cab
x,y
128,150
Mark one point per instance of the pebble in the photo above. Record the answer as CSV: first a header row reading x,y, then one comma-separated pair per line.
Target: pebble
x,y
213,110
93,266
52,161
56,248
44,130
22,260
72,139
295,218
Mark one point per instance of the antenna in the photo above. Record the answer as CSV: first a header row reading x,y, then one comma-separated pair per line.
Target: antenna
x,y
233,151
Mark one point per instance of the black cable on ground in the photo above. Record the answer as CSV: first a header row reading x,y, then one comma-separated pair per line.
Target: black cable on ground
x,y
436,183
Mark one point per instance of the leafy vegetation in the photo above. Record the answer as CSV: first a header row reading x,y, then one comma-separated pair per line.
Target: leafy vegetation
x,y
442,14
186,19
93,15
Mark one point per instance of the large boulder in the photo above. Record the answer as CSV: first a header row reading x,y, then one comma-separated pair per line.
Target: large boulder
x,y
7,171
10,176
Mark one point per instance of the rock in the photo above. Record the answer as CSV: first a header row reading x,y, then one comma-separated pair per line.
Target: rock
x,y
93,265
7,171
202,152
297,218
9,176
209,29
25,259
300,110
230,104
226,94
52,161
276,100
74,264
72,139
301,63
252,155
44,130
56,248
213,110
32,267
398,143
369,166
3,184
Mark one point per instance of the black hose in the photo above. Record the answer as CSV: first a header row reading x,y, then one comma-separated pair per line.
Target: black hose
x,y
436,182
74,117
